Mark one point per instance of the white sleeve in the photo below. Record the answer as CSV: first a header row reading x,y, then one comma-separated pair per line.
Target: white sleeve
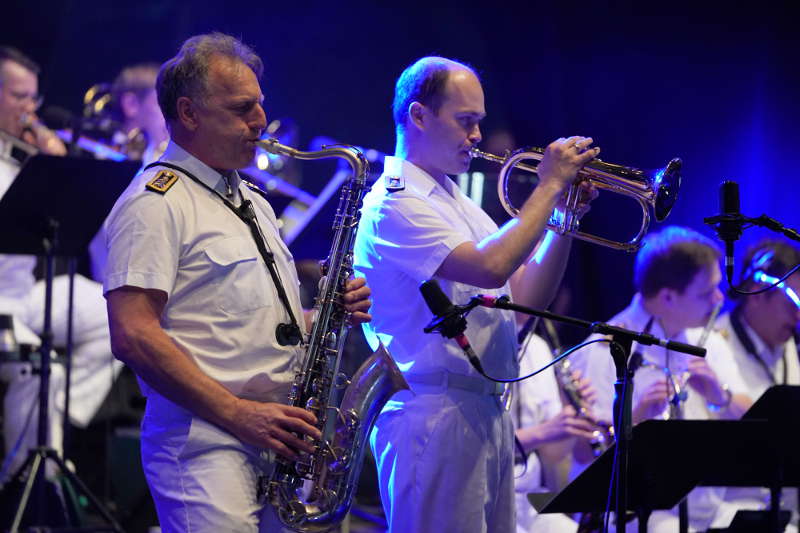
x,y
407,233
143,240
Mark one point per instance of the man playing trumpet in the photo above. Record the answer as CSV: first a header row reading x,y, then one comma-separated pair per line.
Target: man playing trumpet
x,y
445,451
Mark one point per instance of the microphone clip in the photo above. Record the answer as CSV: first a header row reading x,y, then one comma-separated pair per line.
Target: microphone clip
x,y
450,325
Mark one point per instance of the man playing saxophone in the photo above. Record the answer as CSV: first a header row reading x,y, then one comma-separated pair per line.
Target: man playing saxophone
x,y
445,450
203,300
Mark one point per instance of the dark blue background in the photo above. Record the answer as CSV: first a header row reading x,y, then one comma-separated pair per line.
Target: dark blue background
x,y
713,84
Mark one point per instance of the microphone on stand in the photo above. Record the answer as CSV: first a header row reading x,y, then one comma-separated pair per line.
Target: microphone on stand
x,y
448,320
729,228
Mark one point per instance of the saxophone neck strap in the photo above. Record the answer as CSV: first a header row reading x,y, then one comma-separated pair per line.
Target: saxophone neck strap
x,y
286,334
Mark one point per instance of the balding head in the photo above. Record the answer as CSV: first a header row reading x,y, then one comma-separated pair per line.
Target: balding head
x,y
423,81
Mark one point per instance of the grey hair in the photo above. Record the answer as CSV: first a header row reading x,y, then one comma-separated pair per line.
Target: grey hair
x,y
186,74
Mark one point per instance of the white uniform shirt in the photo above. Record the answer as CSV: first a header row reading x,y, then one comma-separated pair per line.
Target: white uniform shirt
x,y
752,372
756,383
222,306
403,238
594,361
536,400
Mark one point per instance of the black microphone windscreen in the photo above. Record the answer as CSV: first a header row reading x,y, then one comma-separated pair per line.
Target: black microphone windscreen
x,y
437,300
57,118
729,198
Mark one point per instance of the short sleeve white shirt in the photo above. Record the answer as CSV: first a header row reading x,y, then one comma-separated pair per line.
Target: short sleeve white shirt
x,y
222,306
536,400
595,362
404,235
753,373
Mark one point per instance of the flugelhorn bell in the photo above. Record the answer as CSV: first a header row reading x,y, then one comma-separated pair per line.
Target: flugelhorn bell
x,y
655,189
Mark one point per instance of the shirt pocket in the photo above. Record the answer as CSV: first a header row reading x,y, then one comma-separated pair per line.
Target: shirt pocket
x,y
241,279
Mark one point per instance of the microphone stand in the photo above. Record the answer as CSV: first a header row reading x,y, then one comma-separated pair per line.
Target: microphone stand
x,y
729,228
620,347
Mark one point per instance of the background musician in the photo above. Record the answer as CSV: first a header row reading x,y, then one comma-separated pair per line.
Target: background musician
x,y
547,431
23,297
20,99
134,101
761,331
676,276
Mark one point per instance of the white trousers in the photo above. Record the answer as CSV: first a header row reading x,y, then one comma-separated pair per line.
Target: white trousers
x,y
93,366
445,463
201,477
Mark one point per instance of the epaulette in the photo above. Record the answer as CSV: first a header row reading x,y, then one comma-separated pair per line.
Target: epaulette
x,y
395,183
163,181
255,188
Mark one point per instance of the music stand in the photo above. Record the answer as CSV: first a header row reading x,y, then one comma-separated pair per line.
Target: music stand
x,y
773,461
659,478
55,207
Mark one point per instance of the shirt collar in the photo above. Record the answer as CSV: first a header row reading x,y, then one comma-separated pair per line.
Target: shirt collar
x,y
638,317
213,179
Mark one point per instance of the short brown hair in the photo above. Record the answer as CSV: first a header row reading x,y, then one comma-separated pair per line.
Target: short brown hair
x,y
186,74
671,258
9,53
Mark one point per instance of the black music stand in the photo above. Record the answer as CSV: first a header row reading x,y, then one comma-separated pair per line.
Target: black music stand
x,y
772,458
659,476
55,206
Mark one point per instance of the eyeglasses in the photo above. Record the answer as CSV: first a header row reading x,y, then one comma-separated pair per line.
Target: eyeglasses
x,y
762,277
36,99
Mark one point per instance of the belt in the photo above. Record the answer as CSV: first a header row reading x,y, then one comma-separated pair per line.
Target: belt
x,y
447,380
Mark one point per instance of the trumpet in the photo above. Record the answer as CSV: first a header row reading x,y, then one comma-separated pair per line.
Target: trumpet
x,y
655,189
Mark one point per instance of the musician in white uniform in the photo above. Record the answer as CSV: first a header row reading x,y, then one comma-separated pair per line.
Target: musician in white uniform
x,y
676,276
761,331
193,307
444,450
22,296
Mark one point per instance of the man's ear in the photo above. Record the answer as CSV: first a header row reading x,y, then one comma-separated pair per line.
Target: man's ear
x,y
187,113
416,114
666,296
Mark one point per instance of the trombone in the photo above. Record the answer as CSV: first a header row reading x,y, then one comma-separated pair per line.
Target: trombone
x,y
656,190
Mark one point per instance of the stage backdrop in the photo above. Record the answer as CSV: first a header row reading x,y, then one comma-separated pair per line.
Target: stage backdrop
x,y
714,86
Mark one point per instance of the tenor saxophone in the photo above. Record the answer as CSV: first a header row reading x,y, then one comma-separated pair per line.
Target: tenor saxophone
x,y
315,492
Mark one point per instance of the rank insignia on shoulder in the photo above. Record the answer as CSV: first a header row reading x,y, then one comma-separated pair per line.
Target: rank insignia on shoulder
x,y
163,181
395,183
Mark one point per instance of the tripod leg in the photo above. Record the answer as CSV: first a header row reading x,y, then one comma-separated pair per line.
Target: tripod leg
x,y
75,480
26,493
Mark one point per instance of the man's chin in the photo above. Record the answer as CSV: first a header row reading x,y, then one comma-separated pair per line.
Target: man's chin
x,y
247,159
455,170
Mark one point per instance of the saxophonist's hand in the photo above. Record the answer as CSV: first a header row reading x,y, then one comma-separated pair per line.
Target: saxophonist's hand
x,y
357,302
275,426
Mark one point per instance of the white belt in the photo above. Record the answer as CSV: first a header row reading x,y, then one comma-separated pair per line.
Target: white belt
x,y
447,380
